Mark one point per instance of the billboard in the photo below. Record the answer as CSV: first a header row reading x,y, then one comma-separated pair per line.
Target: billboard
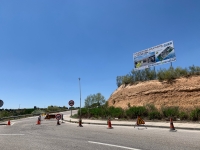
x,y
163,53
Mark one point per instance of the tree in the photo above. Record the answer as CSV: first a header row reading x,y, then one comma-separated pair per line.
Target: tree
x,y
119,81
94,100
89,100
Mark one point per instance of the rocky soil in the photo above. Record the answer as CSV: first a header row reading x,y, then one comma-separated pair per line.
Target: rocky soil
x,y
183,92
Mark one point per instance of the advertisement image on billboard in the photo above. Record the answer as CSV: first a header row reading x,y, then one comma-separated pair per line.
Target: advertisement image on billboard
x,y
153,56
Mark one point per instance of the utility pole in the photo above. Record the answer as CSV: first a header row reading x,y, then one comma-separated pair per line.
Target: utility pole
x,y
80,120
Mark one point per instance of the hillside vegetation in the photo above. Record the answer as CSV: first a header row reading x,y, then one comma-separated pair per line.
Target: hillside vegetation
x,y
162,75
174,90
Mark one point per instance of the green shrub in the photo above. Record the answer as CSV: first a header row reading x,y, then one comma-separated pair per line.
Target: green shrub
x,y
38,111
75,116
168,75
95,112
27,111
150,107
162,75
4,114
84,112
179,72
172,111
195,114
154,115
183,116
133,112
115,112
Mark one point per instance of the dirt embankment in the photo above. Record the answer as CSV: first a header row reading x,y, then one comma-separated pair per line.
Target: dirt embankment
x,y
183,92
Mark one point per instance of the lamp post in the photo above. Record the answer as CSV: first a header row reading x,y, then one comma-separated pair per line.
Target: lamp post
x,y
80,120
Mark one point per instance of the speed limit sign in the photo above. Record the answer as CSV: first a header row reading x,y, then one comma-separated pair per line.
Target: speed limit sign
x,y
71,103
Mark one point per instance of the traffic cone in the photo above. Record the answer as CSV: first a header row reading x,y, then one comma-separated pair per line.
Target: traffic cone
x,y
80,123
8,122
172,126
109,124
38,122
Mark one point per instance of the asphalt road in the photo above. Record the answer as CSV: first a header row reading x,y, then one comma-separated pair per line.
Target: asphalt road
x,y
24,134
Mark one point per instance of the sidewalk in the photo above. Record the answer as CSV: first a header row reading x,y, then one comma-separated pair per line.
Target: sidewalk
x,y
187,126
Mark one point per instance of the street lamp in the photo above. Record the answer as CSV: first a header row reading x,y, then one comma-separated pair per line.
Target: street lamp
x,y
80,120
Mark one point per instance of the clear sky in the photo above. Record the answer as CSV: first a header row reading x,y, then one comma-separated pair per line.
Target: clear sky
x,y
46,45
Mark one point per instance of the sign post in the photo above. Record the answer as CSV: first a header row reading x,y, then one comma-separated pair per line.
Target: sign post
x,y
58,117
71,103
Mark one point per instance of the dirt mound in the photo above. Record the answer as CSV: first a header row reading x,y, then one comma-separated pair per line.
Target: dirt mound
x,y
183,92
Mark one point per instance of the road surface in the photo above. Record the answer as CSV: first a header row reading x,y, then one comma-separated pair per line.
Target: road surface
x,y
24,134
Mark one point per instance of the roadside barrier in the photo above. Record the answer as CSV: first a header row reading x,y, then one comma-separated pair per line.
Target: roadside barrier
x,y
172,128
139,122
109,124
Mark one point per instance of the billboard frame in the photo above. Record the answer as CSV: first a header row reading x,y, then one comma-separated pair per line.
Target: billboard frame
x,y
153,56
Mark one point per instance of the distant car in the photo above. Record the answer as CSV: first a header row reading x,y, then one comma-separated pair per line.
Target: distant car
x,y
50,116
165,53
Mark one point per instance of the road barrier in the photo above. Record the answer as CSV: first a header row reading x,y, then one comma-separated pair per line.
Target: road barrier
x,y
139,122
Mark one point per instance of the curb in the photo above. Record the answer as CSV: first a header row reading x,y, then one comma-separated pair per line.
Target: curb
x,y
153,126
3,124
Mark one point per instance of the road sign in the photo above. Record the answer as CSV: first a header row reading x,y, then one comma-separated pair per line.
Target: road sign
x,y
58,116
71,103
1,103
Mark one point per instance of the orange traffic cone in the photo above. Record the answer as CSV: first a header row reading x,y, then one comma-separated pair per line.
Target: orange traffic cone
x,y
9,122
172,126
109,124
80,123
38,122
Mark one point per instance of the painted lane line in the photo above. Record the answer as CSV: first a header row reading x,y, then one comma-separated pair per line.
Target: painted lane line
x,y
113,145
11,134
13,123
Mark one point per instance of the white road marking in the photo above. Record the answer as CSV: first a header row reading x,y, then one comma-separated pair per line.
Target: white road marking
x,y
113,145
11,134
13,123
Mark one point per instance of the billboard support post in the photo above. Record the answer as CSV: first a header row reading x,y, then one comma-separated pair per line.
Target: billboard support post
x,y
71,111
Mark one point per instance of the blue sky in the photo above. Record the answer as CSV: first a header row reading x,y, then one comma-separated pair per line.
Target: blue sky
x,y
45,46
